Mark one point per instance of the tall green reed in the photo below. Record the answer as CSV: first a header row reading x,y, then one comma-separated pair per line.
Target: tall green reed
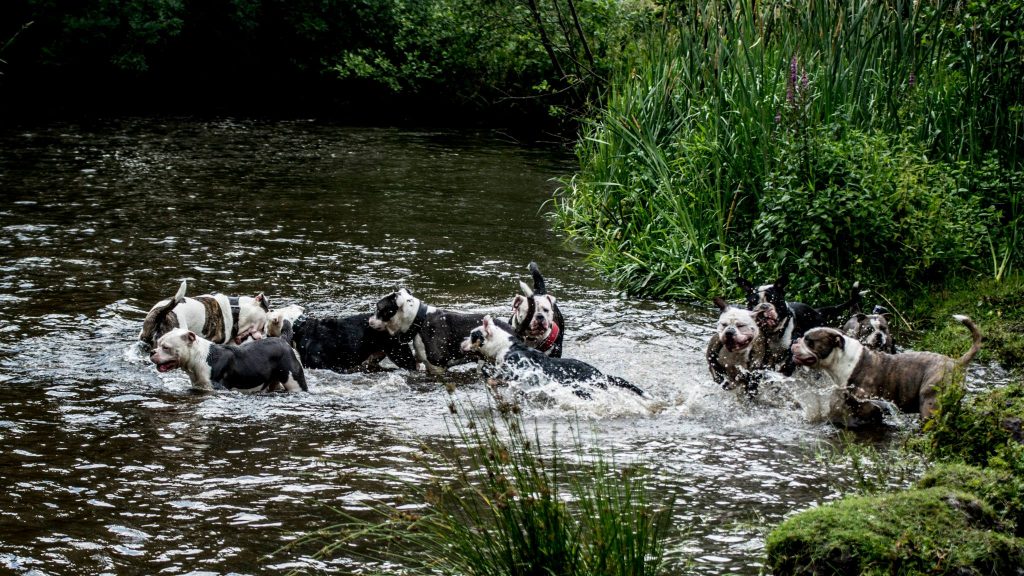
x,y
672,171
501,500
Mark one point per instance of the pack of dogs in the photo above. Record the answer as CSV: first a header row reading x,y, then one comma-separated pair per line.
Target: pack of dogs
x,y
769,333
243,343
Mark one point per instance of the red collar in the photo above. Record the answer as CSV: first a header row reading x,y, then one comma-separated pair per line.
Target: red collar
x,y
550,340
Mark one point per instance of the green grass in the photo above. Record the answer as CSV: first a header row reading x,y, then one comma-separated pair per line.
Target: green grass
x,y
503,500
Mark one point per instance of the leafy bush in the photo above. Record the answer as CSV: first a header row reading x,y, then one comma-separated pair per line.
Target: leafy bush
x,y
856,205
833,140
983,430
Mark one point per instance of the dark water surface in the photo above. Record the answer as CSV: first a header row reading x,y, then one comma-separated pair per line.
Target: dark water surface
x,y
109,467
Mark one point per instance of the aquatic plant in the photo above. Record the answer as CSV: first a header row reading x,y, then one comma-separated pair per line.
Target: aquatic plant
x,y
502,501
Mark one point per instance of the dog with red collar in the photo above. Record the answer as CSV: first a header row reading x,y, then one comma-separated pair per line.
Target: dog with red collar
x,y
536,319
218,318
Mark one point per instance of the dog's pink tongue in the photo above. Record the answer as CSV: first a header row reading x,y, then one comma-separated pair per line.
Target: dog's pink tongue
x,y
165,367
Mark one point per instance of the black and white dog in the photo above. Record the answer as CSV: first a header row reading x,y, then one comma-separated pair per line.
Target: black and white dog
x,y
436,334
260,366
735,349
871,330
782,322
496,342
338,344
536,318
216,317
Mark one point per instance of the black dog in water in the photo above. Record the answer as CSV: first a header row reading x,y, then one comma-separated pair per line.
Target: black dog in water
x,y
339,344
495,341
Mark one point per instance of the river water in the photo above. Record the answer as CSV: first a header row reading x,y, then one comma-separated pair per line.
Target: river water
x,y
109,467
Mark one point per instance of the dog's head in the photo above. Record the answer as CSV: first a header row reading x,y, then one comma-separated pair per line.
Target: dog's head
x,y
277,317
535,310
173,350
737,329
252,316
819,347
490,340
773,295
871,330
395,312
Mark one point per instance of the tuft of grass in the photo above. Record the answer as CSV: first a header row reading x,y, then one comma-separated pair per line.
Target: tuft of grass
x,y
500,500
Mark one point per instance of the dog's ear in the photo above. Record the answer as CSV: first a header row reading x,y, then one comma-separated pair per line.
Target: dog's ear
x,y
551,299
189,337
720,302
838,341
861,317
782,281
518,301
263,301
745,284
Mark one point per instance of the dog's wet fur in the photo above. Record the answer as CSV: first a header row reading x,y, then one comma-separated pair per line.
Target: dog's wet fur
x,y
536,319
264,365
909,379
347,343
436,334
736,348
496,341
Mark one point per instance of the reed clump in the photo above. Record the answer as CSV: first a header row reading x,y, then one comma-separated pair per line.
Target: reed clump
x,y
500,500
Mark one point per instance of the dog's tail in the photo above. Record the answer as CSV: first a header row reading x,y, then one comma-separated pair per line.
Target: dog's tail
x,y
975,334
621,383
179,297
538,280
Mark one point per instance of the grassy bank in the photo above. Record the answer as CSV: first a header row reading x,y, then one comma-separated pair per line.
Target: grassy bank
x,y
964,516
835,140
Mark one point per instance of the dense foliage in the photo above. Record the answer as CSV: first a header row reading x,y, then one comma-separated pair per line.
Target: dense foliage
x,y
835,140
371,59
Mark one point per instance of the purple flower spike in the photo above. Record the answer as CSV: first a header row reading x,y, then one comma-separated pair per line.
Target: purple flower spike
x,y
912,80
804,82
778,117
792,71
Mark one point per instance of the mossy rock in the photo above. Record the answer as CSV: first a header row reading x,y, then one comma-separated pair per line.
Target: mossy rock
x,y
1003,491
925,531
984,430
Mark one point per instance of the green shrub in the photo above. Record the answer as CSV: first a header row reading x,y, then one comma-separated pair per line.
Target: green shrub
x,y
854,205
832,140
983,430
